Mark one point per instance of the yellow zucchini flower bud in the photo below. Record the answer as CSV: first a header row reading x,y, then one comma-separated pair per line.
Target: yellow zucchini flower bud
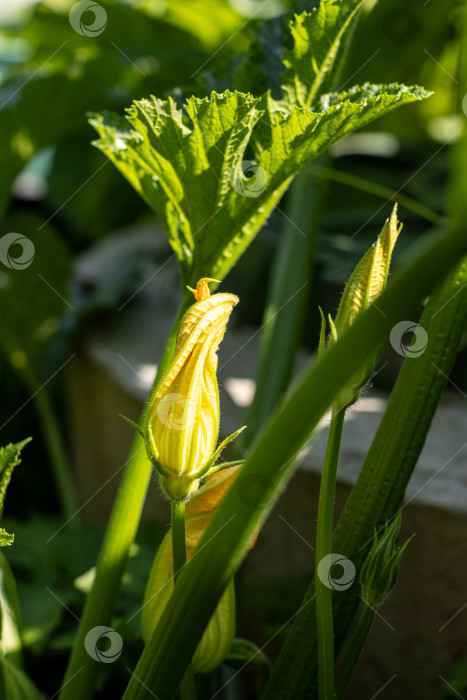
x,y
182,421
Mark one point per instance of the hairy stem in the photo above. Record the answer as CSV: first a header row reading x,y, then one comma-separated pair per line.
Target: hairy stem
x,y
354,650
177,511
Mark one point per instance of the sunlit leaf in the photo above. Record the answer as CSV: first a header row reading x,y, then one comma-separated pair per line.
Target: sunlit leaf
x,y
215,175
311,63
9,459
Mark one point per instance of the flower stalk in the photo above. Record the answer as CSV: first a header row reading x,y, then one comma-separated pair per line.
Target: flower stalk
x,y
363,288
378,576
177,517
177,512
181,427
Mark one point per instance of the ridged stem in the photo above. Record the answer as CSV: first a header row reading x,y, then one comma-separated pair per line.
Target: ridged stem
x,y
177,512
354,650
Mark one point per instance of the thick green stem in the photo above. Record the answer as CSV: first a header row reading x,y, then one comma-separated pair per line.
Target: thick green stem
x,y
354,650
324,621
82,670
177,510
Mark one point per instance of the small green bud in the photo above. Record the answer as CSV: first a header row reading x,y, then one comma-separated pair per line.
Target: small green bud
x,y
369,277
363,288
380,569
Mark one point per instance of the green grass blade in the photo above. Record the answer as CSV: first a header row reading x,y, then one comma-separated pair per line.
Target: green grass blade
x,y
381,485
378,190
270,465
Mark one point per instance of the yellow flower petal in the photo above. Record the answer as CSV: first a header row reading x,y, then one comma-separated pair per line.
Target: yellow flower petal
x,y
182,420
